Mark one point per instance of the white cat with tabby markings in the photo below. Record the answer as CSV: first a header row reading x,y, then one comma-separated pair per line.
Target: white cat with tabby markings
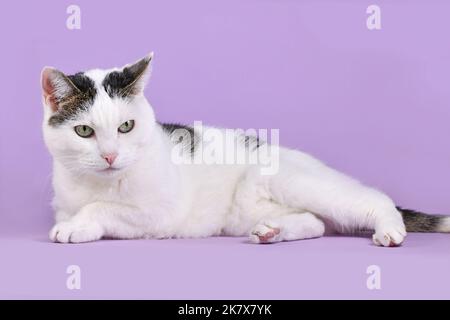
x,y
114,176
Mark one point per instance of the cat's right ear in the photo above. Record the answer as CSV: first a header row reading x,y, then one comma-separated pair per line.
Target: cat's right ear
x,y
55,87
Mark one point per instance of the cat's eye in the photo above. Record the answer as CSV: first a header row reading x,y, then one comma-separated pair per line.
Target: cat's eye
x,y
84,131
127,126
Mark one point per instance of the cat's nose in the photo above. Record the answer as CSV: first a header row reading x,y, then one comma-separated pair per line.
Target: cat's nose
x,y
109,157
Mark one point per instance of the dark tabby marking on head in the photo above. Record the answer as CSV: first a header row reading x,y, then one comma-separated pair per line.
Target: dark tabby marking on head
x,y
124,84
252,142
79,98
421,222
180,133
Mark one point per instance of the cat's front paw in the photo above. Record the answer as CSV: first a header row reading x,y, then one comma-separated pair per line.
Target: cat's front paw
x,y
391,234
74,231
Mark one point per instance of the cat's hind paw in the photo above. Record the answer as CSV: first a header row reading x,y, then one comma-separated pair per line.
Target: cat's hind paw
x,y
391,235
263,233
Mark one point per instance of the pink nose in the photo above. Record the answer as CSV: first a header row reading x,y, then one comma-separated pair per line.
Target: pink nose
x,y
110,157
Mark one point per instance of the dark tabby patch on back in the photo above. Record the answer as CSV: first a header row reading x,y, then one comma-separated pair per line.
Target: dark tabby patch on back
x,y
80,97
123,84
420,222
181,134
252,142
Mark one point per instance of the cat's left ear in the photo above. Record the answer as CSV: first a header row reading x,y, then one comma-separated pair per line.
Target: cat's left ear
x,y
137,75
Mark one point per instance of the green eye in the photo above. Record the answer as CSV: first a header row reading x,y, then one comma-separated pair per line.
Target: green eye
x,y
84,131
127,126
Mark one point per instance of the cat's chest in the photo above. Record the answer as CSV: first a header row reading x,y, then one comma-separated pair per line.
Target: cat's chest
x,y
75,196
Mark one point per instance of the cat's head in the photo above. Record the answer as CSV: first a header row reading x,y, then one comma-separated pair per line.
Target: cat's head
x,y
97,122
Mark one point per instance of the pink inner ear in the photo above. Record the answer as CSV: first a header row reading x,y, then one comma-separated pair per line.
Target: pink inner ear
x,y
48,89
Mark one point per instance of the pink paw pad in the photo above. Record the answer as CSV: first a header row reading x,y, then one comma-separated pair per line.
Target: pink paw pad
x,y
266,237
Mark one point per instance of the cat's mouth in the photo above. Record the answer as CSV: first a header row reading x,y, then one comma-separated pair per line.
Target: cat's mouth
x,y
109,170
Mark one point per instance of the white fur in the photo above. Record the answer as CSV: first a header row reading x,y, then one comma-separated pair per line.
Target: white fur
x,y
151,196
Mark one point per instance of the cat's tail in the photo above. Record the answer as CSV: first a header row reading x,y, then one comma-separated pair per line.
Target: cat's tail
x,y
416,221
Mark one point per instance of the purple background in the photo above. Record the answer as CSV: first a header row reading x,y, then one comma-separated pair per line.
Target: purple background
x,y
374,104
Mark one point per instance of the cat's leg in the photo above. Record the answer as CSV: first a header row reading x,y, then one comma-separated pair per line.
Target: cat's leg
x,y
335,197
62,215
295,226
97,220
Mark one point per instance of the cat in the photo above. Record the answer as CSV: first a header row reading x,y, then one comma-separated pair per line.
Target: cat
x,y
115,175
